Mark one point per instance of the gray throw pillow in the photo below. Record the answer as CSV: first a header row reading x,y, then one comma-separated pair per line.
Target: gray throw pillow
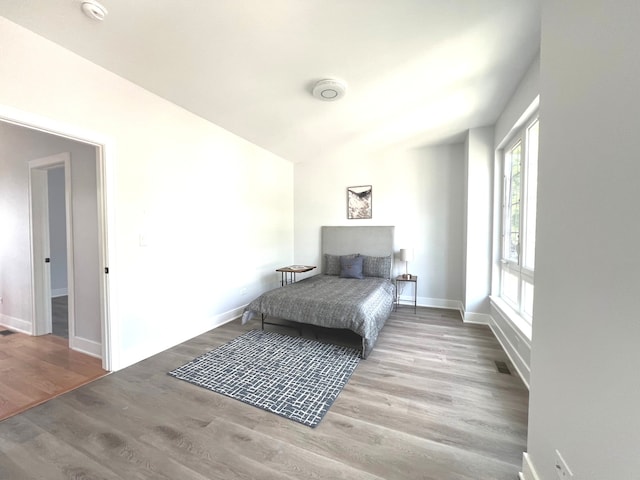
x,y
332,263
376,266
351,267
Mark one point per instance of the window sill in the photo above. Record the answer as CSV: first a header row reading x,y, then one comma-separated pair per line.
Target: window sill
x,y
520,324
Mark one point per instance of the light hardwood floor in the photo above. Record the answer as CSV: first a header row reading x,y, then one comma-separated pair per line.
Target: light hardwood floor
x,y
428,403
36,369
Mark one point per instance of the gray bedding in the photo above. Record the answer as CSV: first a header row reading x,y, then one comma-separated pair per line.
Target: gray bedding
x,y
359,305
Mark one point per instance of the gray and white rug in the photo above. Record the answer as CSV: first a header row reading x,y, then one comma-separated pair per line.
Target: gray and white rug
x,y
293,377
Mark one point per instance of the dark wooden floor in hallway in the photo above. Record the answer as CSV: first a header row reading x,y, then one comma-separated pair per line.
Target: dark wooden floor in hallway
x,y
60,316
428,403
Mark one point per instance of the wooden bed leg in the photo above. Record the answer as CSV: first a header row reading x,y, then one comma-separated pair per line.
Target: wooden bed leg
x,y
262,321
364,357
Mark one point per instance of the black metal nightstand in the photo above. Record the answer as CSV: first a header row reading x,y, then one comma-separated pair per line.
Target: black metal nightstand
x,y
411,279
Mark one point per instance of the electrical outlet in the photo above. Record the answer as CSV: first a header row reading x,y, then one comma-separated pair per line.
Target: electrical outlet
x,y
562,469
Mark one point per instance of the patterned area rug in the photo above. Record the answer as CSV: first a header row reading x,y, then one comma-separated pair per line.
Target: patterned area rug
x,y
293,377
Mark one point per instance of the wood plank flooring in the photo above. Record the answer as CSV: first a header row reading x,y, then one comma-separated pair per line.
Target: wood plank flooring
x,y
428,403
36,369
60,316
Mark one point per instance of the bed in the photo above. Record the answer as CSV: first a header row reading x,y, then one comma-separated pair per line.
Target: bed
x,y
361,305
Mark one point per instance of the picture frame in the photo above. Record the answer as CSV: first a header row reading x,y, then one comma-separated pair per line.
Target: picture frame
x,y
359,202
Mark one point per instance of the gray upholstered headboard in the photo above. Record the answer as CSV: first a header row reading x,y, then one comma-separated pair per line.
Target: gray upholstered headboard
x,y
365,240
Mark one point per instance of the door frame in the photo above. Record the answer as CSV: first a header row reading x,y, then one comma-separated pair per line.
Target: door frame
x,y
40,243
106,193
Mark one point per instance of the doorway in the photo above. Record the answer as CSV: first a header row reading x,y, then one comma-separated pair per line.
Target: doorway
x,y
58,252
52,243
27,252
77,257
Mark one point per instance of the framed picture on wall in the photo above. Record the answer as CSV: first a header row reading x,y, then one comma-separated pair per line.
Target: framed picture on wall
x,y
359,201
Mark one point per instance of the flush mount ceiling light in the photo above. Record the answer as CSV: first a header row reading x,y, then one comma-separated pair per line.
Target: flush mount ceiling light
x,y
94,10
329,89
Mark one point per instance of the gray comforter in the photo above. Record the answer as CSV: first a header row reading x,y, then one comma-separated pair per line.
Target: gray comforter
x,y
361,306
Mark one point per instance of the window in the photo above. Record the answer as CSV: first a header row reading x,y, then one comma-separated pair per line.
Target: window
x,y
518,252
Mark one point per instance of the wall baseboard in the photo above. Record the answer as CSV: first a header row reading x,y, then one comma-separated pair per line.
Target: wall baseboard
x,y
516,359
434,302
88,347
479,318
17,324
528,471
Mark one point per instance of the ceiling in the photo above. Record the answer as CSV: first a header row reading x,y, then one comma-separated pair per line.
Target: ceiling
x,y
419,72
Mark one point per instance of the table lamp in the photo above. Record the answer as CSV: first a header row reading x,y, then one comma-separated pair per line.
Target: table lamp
x,y
406,255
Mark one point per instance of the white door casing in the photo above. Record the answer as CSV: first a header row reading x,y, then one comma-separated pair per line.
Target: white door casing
x,y
104,147
40,251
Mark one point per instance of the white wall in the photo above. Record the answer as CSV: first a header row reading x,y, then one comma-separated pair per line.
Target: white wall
x,y
419,191
527,90
478,220
198,219
57,230
585,358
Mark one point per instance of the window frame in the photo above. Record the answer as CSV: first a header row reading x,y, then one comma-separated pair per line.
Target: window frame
x,y
523,273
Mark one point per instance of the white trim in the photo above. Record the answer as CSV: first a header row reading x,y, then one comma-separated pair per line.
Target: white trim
x,y
520,325
436,303
39,245
68,209
105,189
13,323
39,237
477,318
528,470
37,122
88,347
502,263
59,292
512,351
407,300
516,360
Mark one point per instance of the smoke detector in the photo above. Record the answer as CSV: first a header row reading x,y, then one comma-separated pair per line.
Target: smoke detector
x,y
329,89
93,10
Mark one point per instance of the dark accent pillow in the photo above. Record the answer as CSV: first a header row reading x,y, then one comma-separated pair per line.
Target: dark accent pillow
x,y
376,266
351,267
332,263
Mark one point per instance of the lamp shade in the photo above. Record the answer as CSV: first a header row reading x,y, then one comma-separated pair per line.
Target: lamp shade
x,y
406,254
